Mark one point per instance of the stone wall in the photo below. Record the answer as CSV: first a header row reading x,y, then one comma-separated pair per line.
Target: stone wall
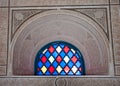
x,y
3,39
110,22
115,15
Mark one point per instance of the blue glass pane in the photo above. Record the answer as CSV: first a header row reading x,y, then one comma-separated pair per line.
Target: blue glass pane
x,y
62,45
62,54
47,54
55,45
40,64
70,54
41,55
47,64
55,54
55,64
63,73
39,73
62,64
70,73
77,55
55,73
78,64
78,73
70,64
47,73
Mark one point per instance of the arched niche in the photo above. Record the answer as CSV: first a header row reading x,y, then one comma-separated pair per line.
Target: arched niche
x,y
73,27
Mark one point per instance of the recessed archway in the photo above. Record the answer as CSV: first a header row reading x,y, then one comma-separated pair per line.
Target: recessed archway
x,y
69,26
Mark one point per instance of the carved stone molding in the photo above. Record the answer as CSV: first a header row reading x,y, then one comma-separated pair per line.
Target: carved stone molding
x,y
99,15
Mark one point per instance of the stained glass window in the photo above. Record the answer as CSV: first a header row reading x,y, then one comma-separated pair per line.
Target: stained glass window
x,y
59,58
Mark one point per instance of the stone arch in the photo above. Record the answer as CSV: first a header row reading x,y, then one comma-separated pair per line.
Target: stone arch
x,y
65,25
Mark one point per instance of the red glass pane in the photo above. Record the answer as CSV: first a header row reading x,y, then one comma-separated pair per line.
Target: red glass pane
x,y
51,49
74,59
66,69
66,49
43,59
58,59
51,69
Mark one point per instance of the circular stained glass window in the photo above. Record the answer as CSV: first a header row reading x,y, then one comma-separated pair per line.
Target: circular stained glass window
x,y
59,58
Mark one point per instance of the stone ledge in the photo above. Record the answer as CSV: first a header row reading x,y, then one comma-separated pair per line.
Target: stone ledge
x,y
52,81
56,2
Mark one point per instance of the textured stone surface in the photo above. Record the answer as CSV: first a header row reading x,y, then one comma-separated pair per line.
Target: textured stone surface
x,y
20,16
3,38
3,57
56,2
25,81
116,32
117,70
3,2
99,15
93,81
60,82
2,70
115,1
116,36
3,29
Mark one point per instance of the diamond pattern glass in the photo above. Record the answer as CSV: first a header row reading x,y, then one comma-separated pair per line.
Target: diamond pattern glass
x,y
74,69
51,69
51,59
58,49
43,59
59,69
74,59
44,69
66,59
59,58
66,69
51,49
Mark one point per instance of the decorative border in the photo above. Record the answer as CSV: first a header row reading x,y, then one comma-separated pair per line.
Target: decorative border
x,y
60,8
